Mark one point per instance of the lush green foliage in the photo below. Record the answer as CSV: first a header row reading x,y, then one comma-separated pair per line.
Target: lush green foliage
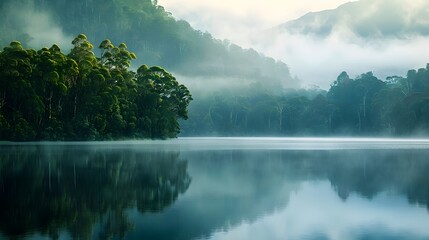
x,y
46,94
151,32
362,106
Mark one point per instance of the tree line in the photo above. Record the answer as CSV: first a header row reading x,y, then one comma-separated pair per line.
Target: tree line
x,y
365,105
49,95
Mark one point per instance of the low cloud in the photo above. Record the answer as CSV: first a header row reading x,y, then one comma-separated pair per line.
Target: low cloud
x,y
38,25
235,20
320,60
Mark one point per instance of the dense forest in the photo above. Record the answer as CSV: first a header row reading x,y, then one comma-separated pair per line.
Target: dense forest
x,y
237,91
149,30
48,95
365,106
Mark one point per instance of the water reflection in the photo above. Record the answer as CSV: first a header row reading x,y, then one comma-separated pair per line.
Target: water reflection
x,y
101,191
84,192
367,187
348,194
317,212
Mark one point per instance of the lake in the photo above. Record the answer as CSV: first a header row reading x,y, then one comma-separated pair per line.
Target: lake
x,y
216,188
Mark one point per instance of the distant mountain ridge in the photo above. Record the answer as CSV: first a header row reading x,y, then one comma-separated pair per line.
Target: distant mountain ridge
x,y
366,19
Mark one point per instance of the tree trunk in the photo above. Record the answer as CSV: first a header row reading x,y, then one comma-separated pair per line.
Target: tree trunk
x,y
230,118
364,106
2,100
49,180
50,105
75,106
360,121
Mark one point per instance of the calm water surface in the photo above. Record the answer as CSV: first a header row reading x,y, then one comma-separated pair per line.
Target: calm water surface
x,y
216,188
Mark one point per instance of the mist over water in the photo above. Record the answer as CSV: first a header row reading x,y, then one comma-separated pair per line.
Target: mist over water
x,y
224,187
245,143
273,143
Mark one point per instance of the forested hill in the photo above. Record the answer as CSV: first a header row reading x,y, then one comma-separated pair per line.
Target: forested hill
x,y
148,29
366,19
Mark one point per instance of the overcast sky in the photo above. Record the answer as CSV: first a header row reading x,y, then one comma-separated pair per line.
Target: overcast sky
x,y
315,61
233,19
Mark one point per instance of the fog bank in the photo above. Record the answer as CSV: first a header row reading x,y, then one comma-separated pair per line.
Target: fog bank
x,y
385,37
32,26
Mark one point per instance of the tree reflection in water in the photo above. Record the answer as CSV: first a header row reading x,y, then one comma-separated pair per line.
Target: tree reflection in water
x,y
86,191
233,187
75,188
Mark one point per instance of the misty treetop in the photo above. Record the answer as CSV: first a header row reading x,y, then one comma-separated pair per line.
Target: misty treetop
x,y
365,106
47,94
148,29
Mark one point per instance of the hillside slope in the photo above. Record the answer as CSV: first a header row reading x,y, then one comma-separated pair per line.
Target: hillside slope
x,y
366,19
149,30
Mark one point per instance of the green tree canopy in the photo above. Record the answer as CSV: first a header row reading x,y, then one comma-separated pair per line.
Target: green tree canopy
x,y
47,94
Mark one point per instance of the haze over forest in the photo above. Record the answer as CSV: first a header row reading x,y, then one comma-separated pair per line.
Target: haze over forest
x,y
385,37
257,68
149,30
319,39
310,114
